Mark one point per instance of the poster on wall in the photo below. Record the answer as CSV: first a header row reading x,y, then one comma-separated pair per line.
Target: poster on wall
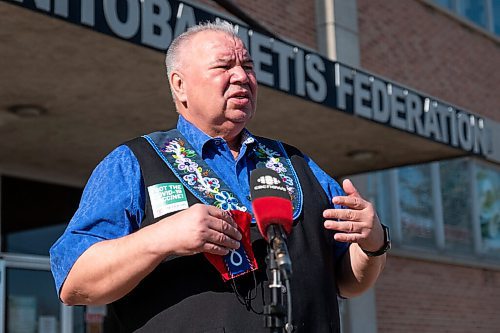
x,y
22,314
47,324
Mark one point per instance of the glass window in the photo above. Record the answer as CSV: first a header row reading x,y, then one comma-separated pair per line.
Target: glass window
x,y
92,319
34,214
379,195
449,4
456,199
475,10
495,6
417,222
480,12
32,303
488,192
415,200
79,319
33,241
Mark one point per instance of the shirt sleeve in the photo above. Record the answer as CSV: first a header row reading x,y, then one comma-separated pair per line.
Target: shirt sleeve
x,y
112,206
332,189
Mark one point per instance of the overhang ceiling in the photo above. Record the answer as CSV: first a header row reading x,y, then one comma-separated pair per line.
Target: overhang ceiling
x,y
100,91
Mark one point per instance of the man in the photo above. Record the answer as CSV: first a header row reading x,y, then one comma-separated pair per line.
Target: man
x,y
149,258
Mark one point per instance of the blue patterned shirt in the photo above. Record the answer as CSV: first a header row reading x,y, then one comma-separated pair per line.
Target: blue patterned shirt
x,y
112,204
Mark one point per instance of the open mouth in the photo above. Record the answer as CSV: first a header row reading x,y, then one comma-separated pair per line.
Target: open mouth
x,y
240,95
240,98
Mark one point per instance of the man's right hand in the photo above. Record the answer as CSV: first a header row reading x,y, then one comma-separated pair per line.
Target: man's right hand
x,y
200,228
110,269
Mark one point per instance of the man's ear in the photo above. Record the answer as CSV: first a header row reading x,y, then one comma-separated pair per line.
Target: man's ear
x,y
178,87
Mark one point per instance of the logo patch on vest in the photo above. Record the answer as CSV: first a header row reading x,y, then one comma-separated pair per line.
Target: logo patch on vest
x,y
167,198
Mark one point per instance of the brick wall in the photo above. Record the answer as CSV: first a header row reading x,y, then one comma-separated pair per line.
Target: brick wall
x,y
293,19
418,45
426,297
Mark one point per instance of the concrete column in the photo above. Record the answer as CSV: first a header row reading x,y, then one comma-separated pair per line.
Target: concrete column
x,y
439,231
337,30
359,314
337,36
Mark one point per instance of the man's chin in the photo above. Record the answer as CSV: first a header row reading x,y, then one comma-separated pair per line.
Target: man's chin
x,y
240,115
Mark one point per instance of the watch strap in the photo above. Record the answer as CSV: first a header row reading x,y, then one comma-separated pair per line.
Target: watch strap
x,y
384,248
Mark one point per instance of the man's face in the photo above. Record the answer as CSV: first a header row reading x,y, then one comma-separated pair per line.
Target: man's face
x,y
219,82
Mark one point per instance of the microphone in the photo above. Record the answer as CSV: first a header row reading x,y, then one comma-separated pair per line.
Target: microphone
x,y
273,211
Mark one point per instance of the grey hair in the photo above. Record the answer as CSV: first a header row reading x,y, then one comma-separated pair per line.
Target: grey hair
x,y
172,56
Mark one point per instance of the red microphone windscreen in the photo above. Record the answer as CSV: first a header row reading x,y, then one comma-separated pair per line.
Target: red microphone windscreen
x,y
273,210
271,203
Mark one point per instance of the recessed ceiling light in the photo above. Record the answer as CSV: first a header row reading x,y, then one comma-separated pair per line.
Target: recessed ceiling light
x,y
361,155
27,110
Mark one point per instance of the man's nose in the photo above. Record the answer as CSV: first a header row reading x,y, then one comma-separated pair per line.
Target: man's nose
x,y
239,75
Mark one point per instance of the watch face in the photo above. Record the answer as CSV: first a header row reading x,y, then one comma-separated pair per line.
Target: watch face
x,y
385,247
387,237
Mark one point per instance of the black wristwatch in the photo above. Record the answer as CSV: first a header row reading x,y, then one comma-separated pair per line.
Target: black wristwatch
x,y
384,248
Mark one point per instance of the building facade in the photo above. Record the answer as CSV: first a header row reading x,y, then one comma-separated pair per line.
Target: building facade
x,y
447,212
403,97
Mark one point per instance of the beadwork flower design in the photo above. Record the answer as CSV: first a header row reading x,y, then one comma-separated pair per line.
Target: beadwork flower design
x,y
275,164
189,166
264,152
186,164
191,179
287,180
195,176
225,201
209,186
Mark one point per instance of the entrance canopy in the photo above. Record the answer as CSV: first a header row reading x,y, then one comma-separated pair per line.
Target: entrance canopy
x,y
69,94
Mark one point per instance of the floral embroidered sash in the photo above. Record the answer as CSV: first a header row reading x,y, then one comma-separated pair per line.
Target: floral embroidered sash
x,y
195,174
204,183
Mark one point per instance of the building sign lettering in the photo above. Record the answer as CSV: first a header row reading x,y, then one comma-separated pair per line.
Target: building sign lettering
x,y
288,68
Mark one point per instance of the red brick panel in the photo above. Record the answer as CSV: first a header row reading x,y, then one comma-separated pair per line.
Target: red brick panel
x,y
417,45
425,297
293,19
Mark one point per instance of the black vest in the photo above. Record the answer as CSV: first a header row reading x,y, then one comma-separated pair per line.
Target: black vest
x,y
187,294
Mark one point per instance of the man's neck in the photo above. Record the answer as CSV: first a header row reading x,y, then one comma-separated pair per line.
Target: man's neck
x,y
235,145
231,134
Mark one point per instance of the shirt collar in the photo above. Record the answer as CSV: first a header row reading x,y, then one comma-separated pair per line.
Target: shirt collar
x,y
198,139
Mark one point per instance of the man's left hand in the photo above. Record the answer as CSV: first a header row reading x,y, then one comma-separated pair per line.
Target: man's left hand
x,y
357,223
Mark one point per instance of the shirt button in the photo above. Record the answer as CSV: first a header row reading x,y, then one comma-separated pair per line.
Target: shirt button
x,y
217,142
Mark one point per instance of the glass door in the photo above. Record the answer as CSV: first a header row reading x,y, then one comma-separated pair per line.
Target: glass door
x,y
28,299
29,302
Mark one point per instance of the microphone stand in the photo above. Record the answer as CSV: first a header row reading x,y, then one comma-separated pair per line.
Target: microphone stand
x,y
280,266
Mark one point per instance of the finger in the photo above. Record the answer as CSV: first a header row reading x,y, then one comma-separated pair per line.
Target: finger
x,y
222,233
215,249
343,214
355,202
349,188
224,227
221,214
344,226
347,238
